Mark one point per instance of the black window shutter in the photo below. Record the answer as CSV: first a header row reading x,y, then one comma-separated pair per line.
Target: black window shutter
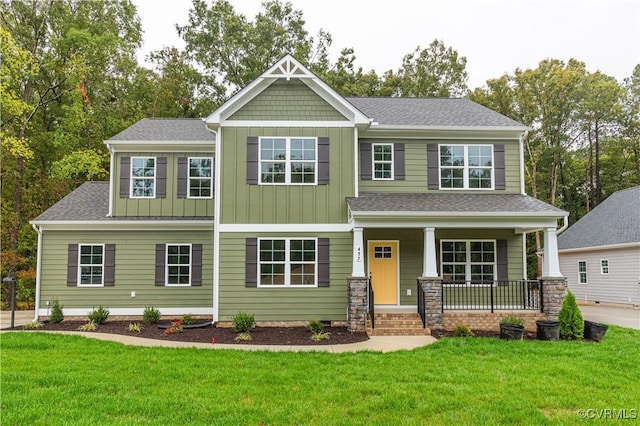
x,y
109,265
161,177
502,262
365,161
196,264
72,265
433,174
252,160
498,166
398,161
251,262
160,264
125,175
323,262
323,161
182,177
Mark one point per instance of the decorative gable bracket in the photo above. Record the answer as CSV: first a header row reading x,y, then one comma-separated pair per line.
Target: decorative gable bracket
x,y
288,69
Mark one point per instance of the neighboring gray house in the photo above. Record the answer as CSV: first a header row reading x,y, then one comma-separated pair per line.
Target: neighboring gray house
x,y
600,253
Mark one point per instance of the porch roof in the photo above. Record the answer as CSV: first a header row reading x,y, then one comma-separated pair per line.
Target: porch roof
x,y
450,204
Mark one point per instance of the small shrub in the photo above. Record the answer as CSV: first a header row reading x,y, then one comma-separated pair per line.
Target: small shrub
x,y
243,322
175,327
316,337
462,330
90,326
188,319
570,318
134,327
315,326
56,315
33,325
99,316
512,320
242,337
150,315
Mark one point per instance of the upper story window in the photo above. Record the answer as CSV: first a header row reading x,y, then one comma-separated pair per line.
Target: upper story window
x,y
382,161
143,177
604,266
290,160
90,264
466,166
200,177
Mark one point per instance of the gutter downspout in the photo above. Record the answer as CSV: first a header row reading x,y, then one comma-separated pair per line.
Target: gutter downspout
x,y
111,179
565,225
522,166
216,225
38,269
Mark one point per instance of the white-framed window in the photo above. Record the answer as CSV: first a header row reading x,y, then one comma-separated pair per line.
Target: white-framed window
x,y
90,265
200,177
288,160
604,266
287,262
466,167
468,261
143,177
582,271
382,161
178,263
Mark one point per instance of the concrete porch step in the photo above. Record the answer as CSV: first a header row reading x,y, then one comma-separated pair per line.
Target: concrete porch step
x,y
397,324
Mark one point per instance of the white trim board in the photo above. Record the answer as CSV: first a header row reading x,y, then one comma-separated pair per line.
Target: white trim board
x,y
291,227
273,123
599,248
77,312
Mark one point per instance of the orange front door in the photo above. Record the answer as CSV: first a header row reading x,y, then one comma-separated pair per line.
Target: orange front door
x,y
383,268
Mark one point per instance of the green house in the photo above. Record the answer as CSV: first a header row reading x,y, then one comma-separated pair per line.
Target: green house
x,y
294,203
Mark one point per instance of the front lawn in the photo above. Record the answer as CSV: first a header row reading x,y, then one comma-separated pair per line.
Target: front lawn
x,y
55,379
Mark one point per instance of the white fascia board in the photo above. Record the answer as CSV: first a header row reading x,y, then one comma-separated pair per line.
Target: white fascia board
x,y
76,312
289,227
599,248
126,225
162,146
273,123
427,214
509,129
443,133
453,224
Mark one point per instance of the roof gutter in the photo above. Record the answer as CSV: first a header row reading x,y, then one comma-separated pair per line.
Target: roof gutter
x,y
38,269
565,224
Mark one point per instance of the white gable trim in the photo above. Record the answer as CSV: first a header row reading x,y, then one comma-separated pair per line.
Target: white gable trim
x,y
600,248
286,68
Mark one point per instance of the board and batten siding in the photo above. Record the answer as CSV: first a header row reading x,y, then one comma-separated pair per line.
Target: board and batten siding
x,y
135,253
171,205
415,153
412,246
287,100
283,304
244,203
621,285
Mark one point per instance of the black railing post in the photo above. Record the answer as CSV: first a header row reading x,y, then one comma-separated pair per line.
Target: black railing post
x,y
540,287
371,303
492,299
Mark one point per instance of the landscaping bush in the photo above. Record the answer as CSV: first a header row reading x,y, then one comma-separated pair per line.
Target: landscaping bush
x,y
512,320
317,330
462,330
570,318
100,315
134,327
90,326
56,315
150,315
175,328
188,319
243,322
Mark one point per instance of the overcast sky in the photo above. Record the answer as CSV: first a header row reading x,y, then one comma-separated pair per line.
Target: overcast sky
x,y
496,36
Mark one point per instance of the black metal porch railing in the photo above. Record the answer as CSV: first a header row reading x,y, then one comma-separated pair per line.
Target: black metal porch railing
x,y
371,303
421,305
493,295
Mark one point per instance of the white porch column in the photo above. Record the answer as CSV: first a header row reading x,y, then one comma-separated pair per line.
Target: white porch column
x,y
551,261
429,265
358,254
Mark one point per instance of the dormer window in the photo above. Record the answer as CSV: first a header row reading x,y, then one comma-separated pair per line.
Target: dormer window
x,y
143,177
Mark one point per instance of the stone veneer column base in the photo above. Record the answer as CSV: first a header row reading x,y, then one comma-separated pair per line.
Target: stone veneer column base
x,y
432,288
357,308
554,289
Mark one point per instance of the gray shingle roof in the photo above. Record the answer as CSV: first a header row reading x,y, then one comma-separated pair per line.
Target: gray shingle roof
x,y
615,221
452,203
90,202
431,112
166,129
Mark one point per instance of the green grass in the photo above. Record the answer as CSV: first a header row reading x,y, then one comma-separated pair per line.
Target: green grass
x,y
70,380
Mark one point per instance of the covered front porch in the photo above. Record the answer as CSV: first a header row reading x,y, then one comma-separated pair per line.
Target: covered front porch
x,y
449,252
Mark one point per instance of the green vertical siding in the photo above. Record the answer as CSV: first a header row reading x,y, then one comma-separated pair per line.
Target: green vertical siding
x,y
416,166
288,100
169,206
411,252
243,203
134,270
283,304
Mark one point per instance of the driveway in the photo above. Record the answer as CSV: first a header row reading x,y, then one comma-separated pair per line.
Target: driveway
x,y
622,316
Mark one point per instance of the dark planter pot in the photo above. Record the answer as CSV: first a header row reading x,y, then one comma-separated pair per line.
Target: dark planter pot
x,y
511,332
548,330
594,331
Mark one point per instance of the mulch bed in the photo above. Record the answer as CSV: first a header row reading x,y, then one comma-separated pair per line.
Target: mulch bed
x,y
259,335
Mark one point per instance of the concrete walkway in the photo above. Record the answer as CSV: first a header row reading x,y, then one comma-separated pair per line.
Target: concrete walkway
x,y
375,343
628,317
